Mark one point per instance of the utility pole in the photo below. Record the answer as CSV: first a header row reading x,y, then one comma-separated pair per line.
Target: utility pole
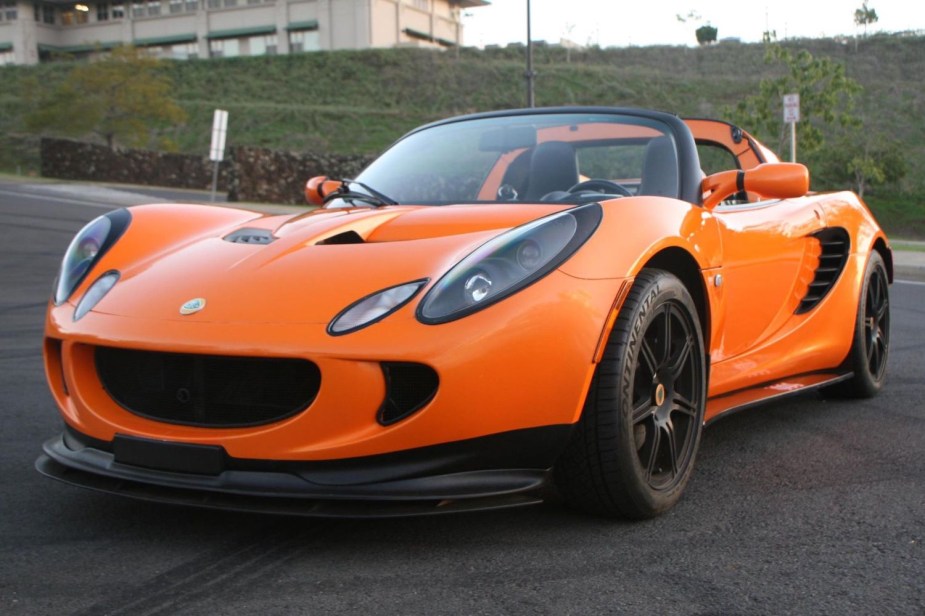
x,y
529,74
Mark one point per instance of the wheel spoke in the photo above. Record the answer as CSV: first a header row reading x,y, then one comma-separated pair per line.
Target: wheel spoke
x,y
642,412
653,453
875,359
684,406
648,356
672,447
881,310
666,334
677,365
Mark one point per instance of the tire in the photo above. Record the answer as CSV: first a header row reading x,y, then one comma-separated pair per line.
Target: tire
x,y
633,450
870,346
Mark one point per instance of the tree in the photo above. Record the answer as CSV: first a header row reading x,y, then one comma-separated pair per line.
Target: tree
x,y
861,159
706,34
826,99
865,16
121,98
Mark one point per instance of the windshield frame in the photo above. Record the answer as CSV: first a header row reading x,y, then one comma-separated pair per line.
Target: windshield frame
x,y
672,126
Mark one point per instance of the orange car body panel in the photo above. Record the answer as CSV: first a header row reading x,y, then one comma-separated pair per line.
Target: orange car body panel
x,y
747,254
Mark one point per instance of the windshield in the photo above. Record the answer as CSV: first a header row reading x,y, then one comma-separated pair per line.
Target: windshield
x,y
554,157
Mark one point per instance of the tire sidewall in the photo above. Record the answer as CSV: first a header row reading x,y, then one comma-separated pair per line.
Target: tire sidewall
x,y
657,290
866,384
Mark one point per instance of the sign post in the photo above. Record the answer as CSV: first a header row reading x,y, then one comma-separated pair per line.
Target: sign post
x,y
217,149
792,116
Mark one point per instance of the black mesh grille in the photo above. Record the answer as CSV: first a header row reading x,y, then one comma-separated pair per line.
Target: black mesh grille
x,y
408,387
207,390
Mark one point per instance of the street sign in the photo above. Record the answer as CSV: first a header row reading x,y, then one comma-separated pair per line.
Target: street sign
x,y
791,117
217,149
219,129
791,108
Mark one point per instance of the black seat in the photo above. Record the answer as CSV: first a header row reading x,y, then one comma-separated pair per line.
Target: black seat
x,y
553,167
660,169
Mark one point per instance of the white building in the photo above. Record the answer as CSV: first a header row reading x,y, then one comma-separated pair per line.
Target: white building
x,y
33,31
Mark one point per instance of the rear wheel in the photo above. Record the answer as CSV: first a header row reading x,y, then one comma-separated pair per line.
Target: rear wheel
x,y
633,449
871,344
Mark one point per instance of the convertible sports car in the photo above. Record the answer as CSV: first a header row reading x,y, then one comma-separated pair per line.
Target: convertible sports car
x,y
502,307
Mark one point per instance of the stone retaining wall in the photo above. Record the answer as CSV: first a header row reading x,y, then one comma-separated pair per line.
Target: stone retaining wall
x,y
251,174
267,176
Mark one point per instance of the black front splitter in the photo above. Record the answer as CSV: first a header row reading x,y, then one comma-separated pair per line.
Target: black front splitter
x,y
286,493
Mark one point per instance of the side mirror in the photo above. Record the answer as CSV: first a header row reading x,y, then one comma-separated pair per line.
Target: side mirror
x,y
770,180
320,186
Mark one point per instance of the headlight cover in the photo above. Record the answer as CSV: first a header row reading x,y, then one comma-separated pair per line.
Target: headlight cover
x,y
506,264
87,247
373,308
97,291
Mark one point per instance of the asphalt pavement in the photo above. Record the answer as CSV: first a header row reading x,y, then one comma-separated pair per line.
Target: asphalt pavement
x,y
809,506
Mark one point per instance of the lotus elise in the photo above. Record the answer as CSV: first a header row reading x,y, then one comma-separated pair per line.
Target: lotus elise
x,y
503,307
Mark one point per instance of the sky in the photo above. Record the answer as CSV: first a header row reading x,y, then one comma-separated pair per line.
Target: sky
x,y
654,22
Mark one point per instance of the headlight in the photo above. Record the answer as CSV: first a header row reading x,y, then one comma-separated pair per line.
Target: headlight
x,y
95,293
374,308
508,263
87,247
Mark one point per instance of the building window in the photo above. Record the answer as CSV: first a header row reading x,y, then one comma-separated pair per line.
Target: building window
x,y
118,9
6,57
304,40
192,6
185,51
47,15
423,5
231,3
224,48
8,12
102,12
176,6
154,7
138,8
80,14
262,45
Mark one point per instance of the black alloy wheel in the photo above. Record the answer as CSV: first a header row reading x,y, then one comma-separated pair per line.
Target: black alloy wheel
x,y
666,397
634,447
870,346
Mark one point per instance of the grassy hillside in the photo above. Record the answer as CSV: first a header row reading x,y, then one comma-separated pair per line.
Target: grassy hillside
x,y
358,102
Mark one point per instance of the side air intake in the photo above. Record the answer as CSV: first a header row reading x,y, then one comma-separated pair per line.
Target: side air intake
x,y
408,388
835,245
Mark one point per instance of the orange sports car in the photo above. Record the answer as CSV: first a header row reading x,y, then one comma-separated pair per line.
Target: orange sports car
x,y
501,307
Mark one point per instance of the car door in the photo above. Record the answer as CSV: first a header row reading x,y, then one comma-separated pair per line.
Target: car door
x,y
768,259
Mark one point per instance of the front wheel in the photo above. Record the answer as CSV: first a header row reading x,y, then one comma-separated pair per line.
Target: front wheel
x,y
633,449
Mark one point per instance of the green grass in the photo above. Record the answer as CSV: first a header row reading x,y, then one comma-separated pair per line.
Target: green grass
x,y
907,246
361,101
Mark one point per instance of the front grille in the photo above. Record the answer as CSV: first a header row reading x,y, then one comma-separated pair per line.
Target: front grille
x,y
207,390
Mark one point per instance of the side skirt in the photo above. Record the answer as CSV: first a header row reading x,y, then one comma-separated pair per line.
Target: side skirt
x,y
727,404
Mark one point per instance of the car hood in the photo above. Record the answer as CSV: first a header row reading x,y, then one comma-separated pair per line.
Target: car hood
x,y
315,265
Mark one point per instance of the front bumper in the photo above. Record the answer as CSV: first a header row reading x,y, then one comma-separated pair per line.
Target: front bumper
x,y
462,476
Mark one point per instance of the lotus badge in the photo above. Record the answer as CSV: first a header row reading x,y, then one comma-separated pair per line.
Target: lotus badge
x,y
193,305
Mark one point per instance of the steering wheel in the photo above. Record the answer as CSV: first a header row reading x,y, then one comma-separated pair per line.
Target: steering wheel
x,y
601,186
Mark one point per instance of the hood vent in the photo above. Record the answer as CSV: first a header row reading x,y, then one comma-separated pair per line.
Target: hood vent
x,y
835,245
250,236
347,237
